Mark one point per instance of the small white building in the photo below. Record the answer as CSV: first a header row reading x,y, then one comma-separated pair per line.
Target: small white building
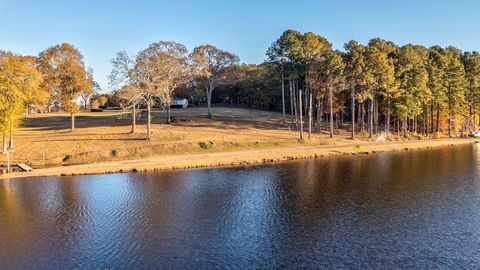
x,y
179,103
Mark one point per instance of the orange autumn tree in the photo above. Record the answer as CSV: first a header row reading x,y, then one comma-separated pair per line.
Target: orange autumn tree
x,y
65,76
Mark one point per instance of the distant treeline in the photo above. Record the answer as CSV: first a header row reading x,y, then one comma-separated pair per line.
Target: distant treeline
x,y
378,86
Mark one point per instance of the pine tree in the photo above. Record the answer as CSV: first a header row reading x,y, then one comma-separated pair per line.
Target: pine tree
x,y
355,71
471,62
381,76
456,86
412,77
436,68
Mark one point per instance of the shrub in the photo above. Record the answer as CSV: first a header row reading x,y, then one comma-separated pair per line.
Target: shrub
x,y
419,137
206,145
392,137
363,133
437,135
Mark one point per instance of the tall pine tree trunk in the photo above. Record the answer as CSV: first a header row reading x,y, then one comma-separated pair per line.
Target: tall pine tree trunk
x,y
387,118
375,114
474,119
300,114
310,116
438,117
319,115
330,102
283,99
415,124
397,121
370,119
450,116
341,119
449,125
295,104
425,118
431,118
360,116
470,116
353,113
291,101
305,99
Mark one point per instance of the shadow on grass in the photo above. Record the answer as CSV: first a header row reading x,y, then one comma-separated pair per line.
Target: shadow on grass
x,y
223,119
99,139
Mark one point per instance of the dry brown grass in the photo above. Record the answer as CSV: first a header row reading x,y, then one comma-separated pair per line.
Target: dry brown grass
x,y
106,136
247,136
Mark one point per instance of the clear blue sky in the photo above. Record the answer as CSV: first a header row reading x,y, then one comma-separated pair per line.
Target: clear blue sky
x,y
101,28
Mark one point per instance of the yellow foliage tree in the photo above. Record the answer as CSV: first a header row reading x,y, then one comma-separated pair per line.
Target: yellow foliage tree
x,y
20,86
65,76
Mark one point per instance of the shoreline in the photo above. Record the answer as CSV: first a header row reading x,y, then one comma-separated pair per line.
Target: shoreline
x,y
235,158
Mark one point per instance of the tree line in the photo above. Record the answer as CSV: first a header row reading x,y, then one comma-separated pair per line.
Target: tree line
x,y
409,88
58,75
377,87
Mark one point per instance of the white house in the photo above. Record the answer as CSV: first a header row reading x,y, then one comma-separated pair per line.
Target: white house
x,y
179,103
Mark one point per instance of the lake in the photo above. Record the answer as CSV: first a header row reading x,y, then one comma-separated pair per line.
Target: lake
x,y
414,209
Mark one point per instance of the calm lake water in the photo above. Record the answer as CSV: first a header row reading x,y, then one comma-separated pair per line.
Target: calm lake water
x,y
415,209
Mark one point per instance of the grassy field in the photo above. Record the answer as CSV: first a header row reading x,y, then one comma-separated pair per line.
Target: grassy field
x,y
45,139
103,143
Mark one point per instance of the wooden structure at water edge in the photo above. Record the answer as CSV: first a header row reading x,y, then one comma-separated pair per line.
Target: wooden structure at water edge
x,y
24,167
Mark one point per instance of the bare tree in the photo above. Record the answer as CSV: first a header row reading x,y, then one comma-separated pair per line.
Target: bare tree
x,y
88,93
159,70
211,65
122,77
85,98
131,97
155,73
